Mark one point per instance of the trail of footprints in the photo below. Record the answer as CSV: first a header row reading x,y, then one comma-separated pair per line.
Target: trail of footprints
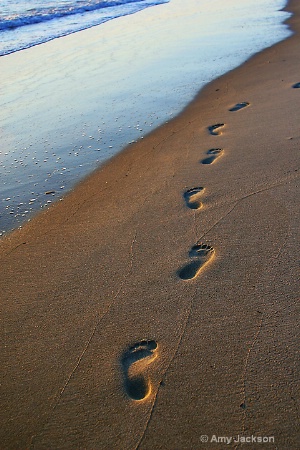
x,y
136,358
201,253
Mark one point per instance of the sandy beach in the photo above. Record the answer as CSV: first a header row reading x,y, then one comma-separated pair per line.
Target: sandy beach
x,y
156,304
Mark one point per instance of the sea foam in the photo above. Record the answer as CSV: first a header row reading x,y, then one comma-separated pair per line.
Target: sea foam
x,y
27,23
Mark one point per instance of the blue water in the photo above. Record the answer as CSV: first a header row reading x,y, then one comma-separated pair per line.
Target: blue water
x,y
24,23
68,105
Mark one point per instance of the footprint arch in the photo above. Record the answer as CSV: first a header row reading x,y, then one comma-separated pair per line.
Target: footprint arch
x,y
213,154
200,254
239,106
192,197
215,130
134,362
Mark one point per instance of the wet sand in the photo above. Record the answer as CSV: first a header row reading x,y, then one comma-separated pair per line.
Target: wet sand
x,y
158,301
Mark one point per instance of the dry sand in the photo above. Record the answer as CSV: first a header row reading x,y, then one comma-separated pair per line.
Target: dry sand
x,y
118,331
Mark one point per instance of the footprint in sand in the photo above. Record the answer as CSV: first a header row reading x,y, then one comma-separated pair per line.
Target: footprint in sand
x,y
191,197
201,254
134,361
239,106
215,129
296,86
213,153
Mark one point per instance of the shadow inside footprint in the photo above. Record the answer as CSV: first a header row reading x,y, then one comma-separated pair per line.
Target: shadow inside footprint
x,y
239,106
213,153
191,197
201,254
134,359
296,86
214,129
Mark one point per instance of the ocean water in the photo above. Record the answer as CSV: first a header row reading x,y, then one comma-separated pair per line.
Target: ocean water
x,y
24,23
68,105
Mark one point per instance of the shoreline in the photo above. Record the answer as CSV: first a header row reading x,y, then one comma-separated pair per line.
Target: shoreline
x,y
157,303
82,119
